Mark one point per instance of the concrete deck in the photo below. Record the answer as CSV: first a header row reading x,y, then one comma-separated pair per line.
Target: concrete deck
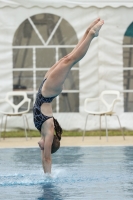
x,y
68,141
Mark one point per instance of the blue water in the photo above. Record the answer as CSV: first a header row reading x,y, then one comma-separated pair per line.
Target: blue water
x,y
85,173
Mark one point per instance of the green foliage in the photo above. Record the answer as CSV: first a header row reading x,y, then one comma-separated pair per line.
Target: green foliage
x,y
97,133
21,133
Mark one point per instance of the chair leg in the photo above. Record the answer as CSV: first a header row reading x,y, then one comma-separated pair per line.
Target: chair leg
x,y
1,126
106,127
120,127
28,126
5,126
85,128
100,126
24,127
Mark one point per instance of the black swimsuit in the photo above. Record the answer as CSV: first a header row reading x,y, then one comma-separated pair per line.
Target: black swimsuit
x,y
39,118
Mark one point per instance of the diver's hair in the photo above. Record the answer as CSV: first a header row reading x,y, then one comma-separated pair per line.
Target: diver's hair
x,y
58,129
55,145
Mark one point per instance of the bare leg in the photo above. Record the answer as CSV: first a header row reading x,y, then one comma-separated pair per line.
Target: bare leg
x,y
56,78
80,42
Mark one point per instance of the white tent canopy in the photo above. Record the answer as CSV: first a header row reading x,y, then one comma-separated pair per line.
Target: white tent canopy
x,y
67,3
101,68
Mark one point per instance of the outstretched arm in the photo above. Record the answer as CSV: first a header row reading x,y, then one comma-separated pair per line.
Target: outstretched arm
x,y
46,154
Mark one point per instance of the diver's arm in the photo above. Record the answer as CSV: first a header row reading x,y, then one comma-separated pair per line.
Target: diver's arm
x,y
46,154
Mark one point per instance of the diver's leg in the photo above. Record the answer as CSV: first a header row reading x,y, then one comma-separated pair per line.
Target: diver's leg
x,y
79,43
56,78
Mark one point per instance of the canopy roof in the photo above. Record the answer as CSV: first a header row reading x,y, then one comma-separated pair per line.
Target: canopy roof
x,y
67,3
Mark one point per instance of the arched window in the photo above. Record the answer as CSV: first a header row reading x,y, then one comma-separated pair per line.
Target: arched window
x,y
38,43
128,68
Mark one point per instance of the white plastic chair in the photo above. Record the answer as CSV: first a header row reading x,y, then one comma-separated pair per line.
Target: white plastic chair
x,y
15,109
107,111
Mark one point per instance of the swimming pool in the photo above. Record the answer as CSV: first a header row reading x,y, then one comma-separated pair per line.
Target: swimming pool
x,y
85,173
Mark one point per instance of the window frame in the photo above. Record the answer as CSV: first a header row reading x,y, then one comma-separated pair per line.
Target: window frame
x,y
127,69
34,69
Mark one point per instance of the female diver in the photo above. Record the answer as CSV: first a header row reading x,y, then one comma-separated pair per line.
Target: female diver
x,y
50,88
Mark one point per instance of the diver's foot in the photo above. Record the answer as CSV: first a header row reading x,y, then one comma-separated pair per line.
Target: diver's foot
x,y
93,23
41,144
95,29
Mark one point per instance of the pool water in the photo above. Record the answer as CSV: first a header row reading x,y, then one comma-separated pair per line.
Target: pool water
x,y
85,173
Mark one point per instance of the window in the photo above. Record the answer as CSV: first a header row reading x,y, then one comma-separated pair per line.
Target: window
x,y
38,43
128,69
